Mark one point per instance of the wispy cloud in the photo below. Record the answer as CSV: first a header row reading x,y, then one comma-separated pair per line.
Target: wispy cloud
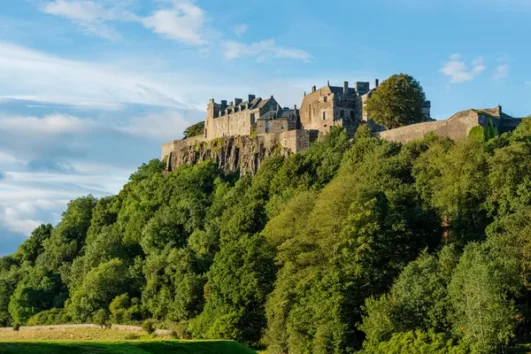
x,y
263,51
88,84
459,71
90,16
184,22
241,29
49,125
501,72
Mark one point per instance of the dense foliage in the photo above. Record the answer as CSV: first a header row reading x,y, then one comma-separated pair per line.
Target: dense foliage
x,y
359,245
195,129
398,101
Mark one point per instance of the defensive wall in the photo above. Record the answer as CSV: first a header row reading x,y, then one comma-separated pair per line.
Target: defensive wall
x,y
456,127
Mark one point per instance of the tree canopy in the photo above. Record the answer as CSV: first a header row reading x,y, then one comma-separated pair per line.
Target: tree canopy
x,y
398,101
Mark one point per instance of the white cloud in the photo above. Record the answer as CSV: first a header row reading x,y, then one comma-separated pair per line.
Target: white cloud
x,y
501,72
90,16
184,22
459,72
263,50
89,84
7,159
241,29
161,126
48,125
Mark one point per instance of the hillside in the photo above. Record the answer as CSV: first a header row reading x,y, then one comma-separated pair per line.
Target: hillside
x,y
352,245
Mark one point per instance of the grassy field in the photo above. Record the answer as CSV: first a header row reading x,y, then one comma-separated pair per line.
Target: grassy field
x,y
109,341
70,334
126,347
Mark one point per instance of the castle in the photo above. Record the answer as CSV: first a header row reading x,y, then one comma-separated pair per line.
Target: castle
x,y
251,130
321,109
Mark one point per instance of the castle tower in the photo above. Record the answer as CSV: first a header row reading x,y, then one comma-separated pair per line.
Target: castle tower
x,y
211,113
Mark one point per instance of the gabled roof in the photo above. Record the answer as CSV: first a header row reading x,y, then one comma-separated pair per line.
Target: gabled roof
x,y
336,90
264,102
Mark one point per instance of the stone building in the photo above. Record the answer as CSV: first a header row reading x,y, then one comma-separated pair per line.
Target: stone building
x,y
238,117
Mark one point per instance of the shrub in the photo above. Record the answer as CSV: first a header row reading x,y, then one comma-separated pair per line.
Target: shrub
x,y
148,326
416,342
182,330
53,316
101,317
132,336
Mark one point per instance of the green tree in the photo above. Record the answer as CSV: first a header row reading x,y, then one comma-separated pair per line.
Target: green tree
x,y
101,318
100,286
38,290
195,129
398,101
482,312
34,245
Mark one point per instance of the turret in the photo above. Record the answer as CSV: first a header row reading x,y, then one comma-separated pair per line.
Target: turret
x,y
345,88
211,108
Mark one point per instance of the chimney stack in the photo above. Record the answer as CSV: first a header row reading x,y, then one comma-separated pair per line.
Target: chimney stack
x,y
376,83
345,88
313,88
251,98
237,101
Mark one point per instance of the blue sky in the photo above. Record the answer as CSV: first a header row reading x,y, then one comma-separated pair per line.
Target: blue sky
x,y
90,89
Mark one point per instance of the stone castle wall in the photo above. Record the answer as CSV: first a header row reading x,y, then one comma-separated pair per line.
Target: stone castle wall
x,y
238,123
456,127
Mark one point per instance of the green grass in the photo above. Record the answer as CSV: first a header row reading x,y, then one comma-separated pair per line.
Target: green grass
x,y
123,347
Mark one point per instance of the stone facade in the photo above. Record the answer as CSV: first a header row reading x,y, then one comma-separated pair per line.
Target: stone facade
x,y
238,117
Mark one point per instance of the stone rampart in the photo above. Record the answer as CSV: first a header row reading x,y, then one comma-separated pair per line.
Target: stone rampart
x,y
456,127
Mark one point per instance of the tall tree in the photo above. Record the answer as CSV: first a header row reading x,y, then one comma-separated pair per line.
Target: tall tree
x,y
398,101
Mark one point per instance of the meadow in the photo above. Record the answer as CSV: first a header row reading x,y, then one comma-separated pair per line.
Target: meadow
x,y
85,341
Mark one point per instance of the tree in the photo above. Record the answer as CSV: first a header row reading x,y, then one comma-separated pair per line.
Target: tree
x,y
33,246
101,318
483,315
398,101
100,286
196,129
39,290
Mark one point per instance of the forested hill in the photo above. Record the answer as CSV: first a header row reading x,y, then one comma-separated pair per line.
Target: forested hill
x,y
352,245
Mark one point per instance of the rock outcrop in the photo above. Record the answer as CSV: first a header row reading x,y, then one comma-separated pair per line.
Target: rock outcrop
x,y
233,153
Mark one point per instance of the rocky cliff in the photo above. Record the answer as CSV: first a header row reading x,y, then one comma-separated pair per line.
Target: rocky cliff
x,y
230,153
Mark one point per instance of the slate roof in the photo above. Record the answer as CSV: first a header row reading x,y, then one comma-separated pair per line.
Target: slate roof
x,y
279,114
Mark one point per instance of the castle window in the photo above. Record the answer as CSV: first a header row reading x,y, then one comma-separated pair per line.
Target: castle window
x,y
324,115
252,118
352,114
324,99
341,113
